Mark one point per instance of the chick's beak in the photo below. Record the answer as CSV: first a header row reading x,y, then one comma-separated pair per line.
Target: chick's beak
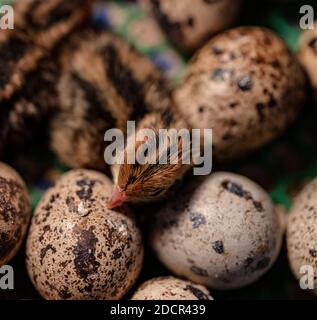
x,y
118,197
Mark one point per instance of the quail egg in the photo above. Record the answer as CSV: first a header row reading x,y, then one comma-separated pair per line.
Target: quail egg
x,y
301,233
189,23
77,248
221,232
308,56
170,288
15,212
246,86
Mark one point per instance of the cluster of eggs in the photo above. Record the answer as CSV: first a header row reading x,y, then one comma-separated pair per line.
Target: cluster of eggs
x,y
222,231
244,83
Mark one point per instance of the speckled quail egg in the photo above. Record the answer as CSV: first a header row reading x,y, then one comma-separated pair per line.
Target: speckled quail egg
x,y
189,23
15,212
170,288
222,232
246,85
302,232
77,248
308,56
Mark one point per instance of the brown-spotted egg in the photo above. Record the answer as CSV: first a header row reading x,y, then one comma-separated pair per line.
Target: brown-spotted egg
x,y
170,288
77,248
221,231
246,86
15,212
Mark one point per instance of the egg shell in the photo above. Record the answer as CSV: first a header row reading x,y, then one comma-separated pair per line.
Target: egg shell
x,y
221,231
244,84
15,212
170,288
308,56
189,23
77,248
301,233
